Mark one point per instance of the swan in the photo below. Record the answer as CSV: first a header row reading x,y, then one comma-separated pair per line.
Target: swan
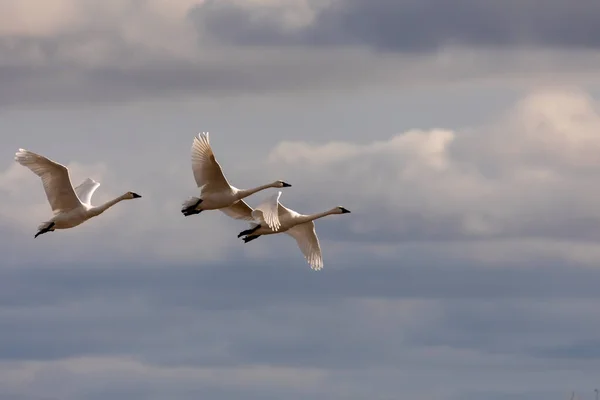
x,y
215,191
299,226
71,206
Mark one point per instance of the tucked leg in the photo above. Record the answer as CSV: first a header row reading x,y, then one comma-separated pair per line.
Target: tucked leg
x,y
249,231
191,209
251,237
44,230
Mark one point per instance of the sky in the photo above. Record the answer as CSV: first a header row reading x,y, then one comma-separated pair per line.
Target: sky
x,y
463,135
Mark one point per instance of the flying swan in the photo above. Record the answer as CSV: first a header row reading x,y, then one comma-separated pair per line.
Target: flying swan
x,y
71,207
215,191
299,226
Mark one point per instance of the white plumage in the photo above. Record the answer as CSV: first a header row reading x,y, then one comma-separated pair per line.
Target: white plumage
x,y
71,206
215,191
299,226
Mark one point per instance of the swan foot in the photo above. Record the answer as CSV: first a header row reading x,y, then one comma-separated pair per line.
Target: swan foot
x,y
45,230
251,237
248,231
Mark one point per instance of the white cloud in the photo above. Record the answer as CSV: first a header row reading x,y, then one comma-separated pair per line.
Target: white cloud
x,y
147,229
531,174
519,187
49,378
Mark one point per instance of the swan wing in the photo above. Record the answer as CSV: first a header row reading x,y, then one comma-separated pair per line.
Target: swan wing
x,y
307,240
55,178
86,190
207,171
285,214
239,210
268,211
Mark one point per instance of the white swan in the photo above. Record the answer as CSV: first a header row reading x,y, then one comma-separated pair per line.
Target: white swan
x,y
215,191
71,207
300,227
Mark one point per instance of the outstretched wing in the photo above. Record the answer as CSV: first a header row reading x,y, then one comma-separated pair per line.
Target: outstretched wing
x,y
207,171
55,178
86,190
268,211
307,240
239,210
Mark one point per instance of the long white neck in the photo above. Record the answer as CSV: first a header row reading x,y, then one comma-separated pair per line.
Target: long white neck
x,y
101,208
242,193
312,217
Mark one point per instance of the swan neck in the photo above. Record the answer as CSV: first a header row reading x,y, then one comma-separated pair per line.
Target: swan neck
x,y
101,208
312,217
247,192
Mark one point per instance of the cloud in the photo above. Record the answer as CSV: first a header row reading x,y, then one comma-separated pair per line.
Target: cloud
x,y
82,331
517,182
139,380
122,231
469,260
404,26
88,52
528,175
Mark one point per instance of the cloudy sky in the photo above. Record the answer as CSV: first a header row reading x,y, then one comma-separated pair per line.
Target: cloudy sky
x,y
464,136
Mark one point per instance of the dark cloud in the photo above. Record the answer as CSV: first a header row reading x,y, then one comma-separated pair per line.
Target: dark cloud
x,y
536,329
63,73
103,64
411,25
345,322
61,85
51,313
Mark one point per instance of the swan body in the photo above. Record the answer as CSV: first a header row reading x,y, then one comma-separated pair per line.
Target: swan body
x,y
301,227
216,193
71,206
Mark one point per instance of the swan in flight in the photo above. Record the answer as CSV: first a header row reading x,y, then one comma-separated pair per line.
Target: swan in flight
x,y
299,226
215,191
71,206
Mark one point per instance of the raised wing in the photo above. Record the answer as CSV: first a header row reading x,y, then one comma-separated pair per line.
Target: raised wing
x,y
207,171
86,190
285,214
55,178
307,240
239,210
268,211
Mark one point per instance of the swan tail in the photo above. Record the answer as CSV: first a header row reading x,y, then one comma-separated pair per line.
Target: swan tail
x,y
189,206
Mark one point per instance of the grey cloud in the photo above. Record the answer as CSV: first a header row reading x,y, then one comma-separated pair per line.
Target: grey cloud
x,y
435,185
184,316
61,71
409,25
561,331
100,63
576,349
51,313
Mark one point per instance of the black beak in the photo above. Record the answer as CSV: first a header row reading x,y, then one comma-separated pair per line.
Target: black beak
x,y
344,211
135,195
285,184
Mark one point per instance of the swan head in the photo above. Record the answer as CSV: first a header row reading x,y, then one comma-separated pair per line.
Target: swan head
x,y
343,210
132,195
282,184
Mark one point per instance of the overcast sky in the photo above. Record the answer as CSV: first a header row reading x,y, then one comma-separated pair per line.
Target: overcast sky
x,y
463,135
